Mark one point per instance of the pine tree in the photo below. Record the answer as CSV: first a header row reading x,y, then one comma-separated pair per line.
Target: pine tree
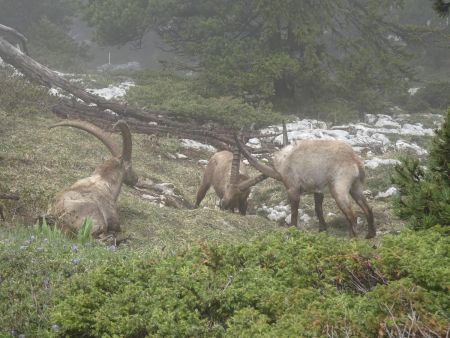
x,y
424,194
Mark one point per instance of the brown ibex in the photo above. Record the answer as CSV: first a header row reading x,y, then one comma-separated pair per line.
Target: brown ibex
x,y
227,174
311,166
94,197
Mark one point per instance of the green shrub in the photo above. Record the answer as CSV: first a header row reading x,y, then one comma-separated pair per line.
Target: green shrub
x,y
51,45
293,284
179,94
435,95
424,194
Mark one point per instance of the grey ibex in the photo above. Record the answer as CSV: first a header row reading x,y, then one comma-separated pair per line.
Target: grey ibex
x,y
94,197
227,174
311,166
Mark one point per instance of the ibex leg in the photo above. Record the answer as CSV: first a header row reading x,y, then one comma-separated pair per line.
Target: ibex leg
x,y
294,200
358,196
318,201
342,198
201,193
243,207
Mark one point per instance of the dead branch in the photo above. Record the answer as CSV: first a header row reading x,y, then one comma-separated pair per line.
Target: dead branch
x,y
140,120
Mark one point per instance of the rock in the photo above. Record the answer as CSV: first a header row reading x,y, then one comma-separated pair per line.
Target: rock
x,y
388,193
181,156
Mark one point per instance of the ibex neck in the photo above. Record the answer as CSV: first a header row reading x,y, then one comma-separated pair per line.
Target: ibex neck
x,y
110,177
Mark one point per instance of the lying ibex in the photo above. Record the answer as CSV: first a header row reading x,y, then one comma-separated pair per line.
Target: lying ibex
x,y
311,166
94,197
227,174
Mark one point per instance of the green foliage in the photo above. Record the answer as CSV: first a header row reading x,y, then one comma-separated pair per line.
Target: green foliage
x,y
434,95
84,234
424,194
118,21
265,50
33,263
174,93
440,150
284,285
441,7
46,24
51,45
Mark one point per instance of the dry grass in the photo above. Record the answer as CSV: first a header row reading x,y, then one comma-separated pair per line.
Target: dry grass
x,y
54,159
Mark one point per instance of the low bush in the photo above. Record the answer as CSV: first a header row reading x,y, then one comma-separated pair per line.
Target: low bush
x,y
434,95
178,94
424,193
287,284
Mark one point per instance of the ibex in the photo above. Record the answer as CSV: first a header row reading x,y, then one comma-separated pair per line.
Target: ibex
x,y
312,165
94,197
227,174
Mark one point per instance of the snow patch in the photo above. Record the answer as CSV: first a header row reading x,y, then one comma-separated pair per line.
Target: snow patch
x,y
412,91
376,162
388,193
187,143
181,156
112,91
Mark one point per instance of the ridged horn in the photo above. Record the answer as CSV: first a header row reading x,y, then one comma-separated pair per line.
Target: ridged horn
x,y
251,182
285,135
235,164
127,143
94,130
264,169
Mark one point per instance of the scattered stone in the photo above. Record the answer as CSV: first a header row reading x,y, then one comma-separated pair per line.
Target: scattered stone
x,y
191,144
376,162
181,156
388,193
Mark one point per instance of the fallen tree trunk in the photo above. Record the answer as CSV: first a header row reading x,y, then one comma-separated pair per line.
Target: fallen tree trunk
x,y
219,140
141,120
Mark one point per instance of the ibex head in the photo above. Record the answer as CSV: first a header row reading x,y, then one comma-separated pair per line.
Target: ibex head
x,y
239,185
121,157
230,182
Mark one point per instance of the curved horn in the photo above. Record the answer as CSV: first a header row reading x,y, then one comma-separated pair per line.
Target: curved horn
x,y
285,135
235,164
264,169
251,182
94,130
127,143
